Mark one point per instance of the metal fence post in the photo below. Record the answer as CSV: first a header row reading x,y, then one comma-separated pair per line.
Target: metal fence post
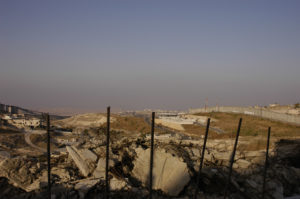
x,y
266,163
107,154
151,155
232,158
202,157
48,154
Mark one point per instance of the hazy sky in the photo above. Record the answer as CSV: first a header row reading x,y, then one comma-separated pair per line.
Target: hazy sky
x,y
149,54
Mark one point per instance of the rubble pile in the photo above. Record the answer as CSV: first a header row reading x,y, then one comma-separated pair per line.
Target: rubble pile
x,y
79,171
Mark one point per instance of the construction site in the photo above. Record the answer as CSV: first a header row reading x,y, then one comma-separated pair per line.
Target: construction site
x,y
149,155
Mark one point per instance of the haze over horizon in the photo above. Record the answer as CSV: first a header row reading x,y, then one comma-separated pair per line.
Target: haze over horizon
x,y
149,54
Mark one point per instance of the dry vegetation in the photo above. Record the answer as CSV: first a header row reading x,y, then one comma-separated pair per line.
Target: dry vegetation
x,y
130,123
255,144
255,127
251,126
194,130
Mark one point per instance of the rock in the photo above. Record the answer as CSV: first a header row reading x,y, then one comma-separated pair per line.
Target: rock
x,y
169,173
83,186
88,155
208,156
221,157
99,172
117,184
33,169
253,154
84,159
258,160
62,173
243,164
17,171
196,152
39,183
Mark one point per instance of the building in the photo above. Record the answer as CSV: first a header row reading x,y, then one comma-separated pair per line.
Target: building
x,y
12,109
2,107
23,122
6,108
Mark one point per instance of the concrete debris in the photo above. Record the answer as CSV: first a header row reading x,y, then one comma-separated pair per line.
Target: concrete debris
x,y
243,164
170,174
17,171
84,159
99,172
80,171
117,184
83,186
39,183
62,173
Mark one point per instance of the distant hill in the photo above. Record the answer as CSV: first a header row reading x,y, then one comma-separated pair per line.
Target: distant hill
x,y
65,111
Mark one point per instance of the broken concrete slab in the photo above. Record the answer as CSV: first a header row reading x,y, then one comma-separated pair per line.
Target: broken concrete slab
x,y
84,159
39,183
99,172
17,171
117,184
62,173
83,186
243,164
88,155
170,174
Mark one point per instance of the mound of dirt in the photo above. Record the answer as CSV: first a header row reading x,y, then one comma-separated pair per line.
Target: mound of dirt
x,y
83,120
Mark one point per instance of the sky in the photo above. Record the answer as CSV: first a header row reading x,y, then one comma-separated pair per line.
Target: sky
x,y
158,54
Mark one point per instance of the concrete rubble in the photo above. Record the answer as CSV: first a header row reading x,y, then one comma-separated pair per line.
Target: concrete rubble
x,y
17,171
84,159
83,186
80,171
170,174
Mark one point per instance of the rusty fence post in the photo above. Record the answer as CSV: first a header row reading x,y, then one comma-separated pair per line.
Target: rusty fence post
x,y
151,155
202,157
266,163
48,154
232,159
107,153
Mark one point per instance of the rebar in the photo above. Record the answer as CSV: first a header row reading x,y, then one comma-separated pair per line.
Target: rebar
x,y
232,158
107,154
266,163
48,154
151,155
202,157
